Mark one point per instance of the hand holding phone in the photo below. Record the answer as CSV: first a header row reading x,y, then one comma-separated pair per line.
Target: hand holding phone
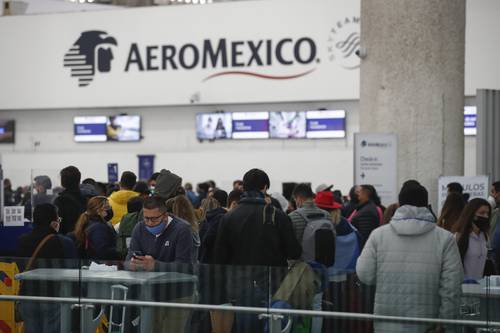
x,y
137,255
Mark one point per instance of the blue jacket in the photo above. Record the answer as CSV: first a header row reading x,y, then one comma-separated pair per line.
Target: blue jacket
x,y
347,248
174,244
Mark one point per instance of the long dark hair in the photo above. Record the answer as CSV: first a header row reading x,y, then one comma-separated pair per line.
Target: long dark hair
x,y
464,224
373,195
452,208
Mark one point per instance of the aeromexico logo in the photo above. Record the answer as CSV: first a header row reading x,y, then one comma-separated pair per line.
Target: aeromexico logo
x,y
343,42
92,53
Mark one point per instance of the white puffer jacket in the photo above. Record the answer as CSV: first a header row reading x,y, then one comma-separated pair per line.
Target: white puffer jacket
x,y
416,268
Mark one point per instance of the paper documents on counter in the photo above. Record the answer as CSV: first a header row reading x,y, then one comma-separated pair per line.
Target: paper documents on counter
x,y
102,267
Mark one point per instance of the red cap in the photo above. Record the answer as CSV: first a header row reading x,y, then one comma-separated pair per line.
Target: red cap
x,y
325,200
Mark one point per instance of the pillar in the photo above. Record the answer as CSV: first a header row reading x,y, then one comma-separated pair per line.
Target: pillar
x,y
412,83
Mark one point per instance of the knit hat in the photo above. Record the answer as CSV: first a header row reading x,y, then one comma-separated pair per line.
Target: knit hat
x,y
43,181
167,184
413,195
221,197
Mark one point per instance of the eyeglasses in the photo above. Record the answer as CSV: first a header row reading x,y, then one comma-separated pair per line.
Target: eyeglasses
x,y
153,219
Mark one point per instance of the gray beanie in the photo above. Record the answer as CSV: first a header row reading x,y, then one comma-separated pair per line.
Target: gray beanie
x,y
167,184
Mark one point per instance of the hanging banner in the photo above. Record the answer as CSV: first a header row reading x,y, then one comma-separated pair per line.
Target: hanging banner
x,y
375,163
146,166
476,187
233,52
112,173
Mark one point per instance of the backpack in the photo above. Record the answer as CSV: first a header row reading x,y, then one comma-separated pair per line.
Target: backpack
x,y
318,241
298,287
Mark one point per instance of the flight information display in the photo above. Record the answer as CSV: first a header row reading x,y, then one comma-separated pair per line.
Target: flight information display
x,y
213,126
323,124
250,125
287,125
90,129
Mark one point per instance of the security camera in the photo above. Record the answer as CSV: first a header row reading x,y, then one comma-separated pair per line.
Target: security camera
x,y
195,98
361,53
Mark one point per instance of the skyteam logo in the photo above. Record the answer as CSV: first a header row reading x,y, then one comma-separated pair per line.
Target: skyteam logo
x,y
90,54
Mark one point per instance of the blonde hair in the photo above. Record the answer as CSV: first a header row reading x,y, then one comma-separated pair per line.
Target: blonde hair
x,y
94,205
183,208
207,205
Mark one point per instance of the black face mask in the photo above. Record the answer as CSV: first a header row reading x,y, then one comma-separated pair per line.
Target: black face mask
x,y
482,222
109,215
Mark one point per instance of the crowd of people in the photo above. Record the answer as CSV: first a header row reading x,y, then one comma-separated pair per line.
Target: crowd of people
x,y
416,261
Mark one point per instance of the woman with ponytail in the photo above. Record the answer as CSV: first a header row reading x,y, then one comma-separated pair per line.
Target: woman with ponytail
x,y
471,232
95,236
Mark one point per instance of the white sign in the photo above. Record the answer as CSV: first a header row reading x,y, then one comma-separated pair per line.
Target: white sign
x,y
476,187
13,216
236,52
375,163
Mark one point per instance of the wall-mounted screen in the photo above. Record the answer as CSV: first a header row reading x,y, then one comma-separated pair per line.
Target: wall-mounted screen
x,y
250,125
470,120
90,129
213,126
325,124
124,128
287,125
7,131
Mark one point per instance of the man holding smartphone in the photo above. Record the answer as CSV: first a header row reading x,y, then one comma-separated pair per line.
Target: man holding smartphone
x,y
162,242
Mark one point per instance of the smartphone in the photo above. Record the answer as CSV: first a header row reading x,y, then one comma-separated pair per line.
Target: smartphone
x,y
136,254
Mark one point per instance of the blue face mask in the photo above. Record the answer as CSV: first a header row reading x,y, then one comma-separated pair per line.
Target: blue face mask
x,y
157,229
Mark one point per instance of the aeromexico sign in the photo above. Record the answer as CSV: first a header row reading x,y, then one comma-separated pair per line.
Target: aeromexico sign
x,y
92,53
236,52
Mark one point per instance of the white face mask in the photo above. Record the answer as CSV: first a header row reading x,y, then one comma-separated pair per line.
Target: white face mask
x,y
55,225
492,202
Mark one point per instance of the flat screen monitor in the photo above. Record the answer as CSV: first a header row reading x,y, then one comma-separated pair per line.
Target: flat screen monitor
x,y
470,120
213,126
324,124
287,125
124,128
250,125
7,131
90,128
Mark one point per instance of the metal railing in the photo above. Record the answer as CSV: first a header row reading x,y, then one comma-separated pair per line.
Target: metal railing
x,y
271,313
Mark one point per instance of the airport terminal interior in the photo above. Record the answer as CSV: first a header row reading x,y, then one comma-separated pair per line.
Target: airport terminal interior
x,y
249,166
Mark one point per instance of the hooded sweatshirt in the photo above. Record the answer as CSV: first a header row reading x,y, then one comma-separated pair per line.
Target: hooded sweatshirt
x,y
118,201
416,268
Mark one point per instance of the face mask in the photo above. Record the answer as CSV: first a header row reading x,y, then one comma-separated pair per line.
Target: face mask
x,y
56,226
482,222
157,229
492,202
109,215
152,190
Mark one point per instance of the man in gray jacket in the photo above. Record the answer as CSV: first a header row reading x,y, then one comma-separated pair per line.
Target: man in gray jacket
x,y
414,264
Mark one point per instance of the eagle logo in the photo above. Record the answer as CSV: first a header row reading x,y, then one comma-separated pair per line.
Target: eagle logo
x,y
91,53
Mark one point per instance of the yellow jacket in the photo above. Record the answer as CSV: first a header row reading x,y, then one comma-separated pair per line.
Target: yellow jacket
x,y
118,201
